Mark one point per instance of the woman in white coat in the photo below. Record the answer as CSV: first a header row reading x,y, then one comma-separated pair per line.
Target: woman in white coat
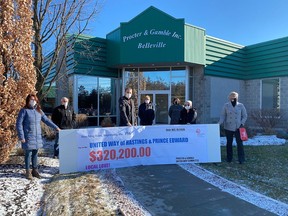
x,y
233,116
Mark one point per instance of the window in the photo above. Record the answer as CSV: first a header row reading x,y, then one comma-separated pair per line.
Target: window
x,y
96,98
178,80
270,94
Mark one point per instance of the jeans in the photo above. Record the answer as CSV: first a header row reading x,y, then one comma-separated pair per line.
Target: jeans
x,y
229,148
56,145
34,154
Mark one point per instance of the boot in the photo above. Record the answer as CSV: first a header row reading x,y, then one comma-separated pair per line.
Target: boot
x,y
35,173
28,174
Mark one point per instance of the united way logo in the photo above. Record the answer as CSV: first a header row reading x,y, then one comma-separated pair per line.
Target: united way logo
x,y
199,132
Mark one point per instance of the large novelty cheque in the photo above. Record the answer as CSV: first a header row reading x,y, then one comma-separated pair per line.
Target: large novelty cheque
x,y
115,147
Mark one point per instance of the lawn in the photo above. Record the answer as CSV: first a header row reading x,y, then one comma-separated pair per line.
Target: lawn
x,y
265,170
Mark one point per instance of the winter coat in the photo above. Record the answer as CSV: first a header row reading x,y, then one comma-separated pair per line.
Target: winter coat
x,y
188,117
127,111
29,128
174,113
233,117
146,114
64,118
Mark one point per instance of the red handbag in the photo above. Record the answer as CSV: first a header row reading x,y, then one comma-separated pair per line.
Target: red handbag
x,y
243,134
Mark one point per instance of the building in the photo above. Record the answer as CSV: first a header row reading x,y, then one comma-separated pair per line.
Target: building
x,y
162,56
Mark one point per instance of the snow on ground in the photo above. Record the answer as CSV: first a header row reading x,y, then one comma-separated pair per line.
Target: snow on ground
x,y
19,196
258,140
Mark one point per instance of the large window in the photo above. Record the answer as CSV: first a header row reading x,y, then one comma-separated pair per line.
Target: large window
x,y
96,98
178,79
270,94
161,78
154,79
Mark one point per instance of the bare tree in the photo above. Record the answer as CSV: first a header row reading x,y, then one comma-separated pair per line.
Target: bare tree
x,y
53,21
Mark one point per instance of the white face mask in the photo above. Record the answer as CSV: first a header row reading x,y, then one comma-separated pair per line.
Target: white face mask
x,y
187,107
127,95
65,104
147,101
32,103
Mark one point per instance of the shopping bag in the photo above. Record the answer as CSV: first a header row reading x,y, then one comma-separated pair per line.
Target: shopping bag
x,y
243,134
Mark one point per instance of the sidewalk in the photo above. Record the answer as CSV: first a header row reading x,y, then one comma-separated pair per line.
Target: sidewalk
x,y
169,190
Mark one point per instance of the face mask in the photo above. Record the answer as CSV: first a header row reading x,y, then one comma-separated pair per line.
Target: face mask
x,y
234,101
147,101
187,107
32,103
127,95
65,104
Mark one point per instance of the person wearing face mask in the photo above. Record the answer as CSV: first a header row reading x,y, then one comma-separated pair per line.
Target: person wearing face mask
x,y
233,116
146,112
127,109
29,133
188,114
65,118
174,111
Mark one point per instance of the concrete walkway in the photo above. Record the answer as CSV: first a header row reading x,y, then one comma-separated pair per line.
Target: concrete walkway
x,y
169,190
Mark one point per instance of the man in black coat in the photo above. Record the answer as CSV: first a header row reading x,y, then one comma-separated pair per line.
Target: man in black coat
x,y
127,109
146,112
64,117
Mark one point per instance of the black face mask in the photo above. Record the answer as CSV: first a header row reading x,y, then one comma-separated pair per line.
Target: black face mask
x,y
233,102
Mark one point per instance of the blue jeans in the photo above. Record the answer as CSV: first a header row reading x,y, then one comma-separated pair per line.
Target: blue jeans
x,y
34,154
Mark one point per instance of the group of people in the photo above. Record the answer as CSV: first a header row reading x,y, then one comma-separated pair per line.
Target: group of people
x,y
233,116
177,113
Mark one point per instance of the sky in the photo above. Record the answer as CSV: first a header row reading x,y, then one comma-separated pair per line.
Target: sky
x,y
243,22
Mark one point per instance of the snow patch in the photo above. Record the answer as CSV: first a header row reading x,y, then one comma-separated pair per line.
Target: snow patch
x,y
258,140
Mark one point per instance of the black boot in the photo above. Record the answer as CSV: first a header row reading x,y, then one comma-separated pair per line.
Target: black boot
x,y
35,173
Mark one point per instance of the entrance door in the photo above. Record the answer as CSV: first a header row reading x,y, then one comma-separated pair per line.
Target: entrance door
x,y
160,103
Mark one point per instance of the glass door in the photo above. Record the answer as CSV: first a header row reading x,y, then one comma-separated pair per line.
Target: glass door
x,y
161,108
160,101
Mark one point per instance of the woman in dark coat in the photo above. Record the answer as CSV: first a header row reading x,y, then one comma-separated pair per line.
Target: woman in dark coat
x,y
174,111
30,134
146,112
188,114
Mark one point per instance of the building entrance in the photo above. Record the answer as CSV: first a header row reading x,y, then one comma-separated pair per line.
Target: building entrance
x,y
161,84
160,101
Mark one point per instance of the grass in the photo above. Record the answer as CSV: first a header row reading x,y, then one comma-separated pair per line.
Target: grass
x,y
264,171
77,194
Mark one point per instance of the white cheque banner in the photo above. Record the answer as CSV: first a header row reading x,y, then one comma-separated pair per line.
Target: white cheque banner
x,y
115,147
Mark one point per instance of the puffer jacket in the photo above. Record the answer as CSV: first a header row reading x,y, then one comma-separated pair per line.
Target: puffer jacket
x,y
29,128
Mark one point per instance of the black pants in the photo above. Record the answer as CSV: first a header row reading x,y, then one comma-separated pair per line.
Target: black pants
x,y
229,148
